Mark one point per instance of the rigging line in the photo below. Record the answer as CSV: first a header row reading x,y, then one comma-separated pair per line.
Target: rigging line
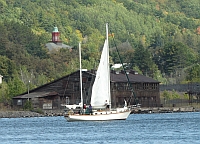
x,y
67,83
132,91
65,87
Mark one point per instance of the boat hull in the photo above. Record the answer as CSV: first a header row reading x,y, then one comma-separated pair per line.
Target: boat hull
x,y
100,116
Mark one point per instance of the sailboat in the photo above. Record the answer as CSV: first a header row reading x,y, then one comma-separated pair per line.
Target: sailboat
x,y
100,94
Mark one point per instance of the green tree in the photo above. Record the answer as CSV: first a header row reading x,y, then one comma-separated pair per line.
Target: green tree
x,y
16,87
4,98
175,56
175,95
28,105
194,73
142,59
166,95
7,67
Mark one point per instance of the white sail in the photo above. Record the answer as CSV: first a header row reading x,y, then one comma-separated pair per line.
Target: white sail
x,y
100,89
101,86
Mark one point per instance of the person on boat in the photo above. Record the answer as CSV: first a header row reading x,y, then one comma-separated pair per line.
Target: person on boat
x,y
84,108
90,109
107,105
71,112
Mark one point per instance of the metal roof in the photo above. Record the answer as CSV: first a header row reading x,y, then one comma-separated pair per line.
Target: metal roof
x,y
115,76
55,29
35,95
134,78
52,46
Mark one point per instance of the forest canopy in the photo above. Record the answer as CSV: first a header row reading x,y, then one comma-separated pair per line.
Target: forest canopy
x,y
159,38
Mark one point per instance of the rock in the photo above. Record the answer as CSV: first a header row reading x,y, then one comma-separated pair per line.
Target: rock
x,y
18,114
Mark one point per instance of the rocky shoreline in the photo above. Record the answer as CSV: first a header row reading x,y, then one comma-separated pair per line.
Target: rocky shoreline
x,y
18,114
26,114
164,110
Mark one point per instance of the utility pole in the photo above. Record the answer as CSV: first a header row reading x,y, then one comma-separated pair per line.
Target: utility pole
x,y
28,88
1,79
1,85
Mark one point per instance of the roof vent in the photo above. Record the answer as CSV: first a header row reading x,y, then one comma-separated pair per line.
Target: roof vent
x,y
133,72
124,72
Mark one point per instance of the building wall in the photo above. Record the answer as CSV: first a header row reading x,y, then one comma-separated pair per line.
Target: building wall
x,y
47,102
19,103
146,94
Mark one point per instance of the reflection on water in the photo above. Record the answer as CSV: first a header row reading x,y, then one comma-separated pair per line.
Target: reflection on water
x,y
166,128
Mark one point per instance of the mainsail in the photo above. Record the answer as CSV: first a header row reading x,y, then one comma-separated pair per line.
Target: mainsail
x,y
101,86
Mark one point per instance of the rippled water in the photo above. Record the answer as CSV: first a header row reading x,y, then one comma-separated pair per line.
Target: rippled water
x,y
168,128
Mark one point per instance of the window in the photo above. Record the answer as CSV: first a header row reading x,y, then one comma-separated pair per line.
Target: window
x,y
19,102
154,86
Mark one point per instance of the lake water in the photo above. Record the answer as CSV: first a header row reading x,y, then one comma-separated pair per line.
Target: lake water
x,y
165,128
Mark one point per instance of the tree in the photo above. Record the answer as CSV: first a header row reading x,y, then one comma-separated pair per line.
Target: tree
x,y
194,73
175,95
7,67
4,98
176,56
142,59
16,87
166,95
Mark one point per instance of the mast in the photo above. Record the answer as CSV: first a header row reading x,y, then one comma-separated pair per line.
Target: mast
x,y
101,85
129,83
108,65
80,75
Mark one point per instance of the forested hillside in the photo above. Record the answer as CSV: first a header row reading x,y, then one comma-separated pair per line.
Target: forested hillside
x,y
163,35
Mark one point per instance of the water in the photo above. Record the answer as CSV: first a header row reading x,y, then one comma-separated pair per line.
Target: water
x,y
168,128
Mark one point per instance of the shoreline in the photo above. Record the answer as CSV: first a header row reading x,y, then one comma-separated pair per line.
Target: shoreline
x,y
26,114
19,114
164,110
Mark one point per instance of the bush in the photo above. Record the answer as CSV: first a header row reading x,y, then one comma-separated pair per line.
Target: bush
x,y
28,105
38,110
167,95
175,95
